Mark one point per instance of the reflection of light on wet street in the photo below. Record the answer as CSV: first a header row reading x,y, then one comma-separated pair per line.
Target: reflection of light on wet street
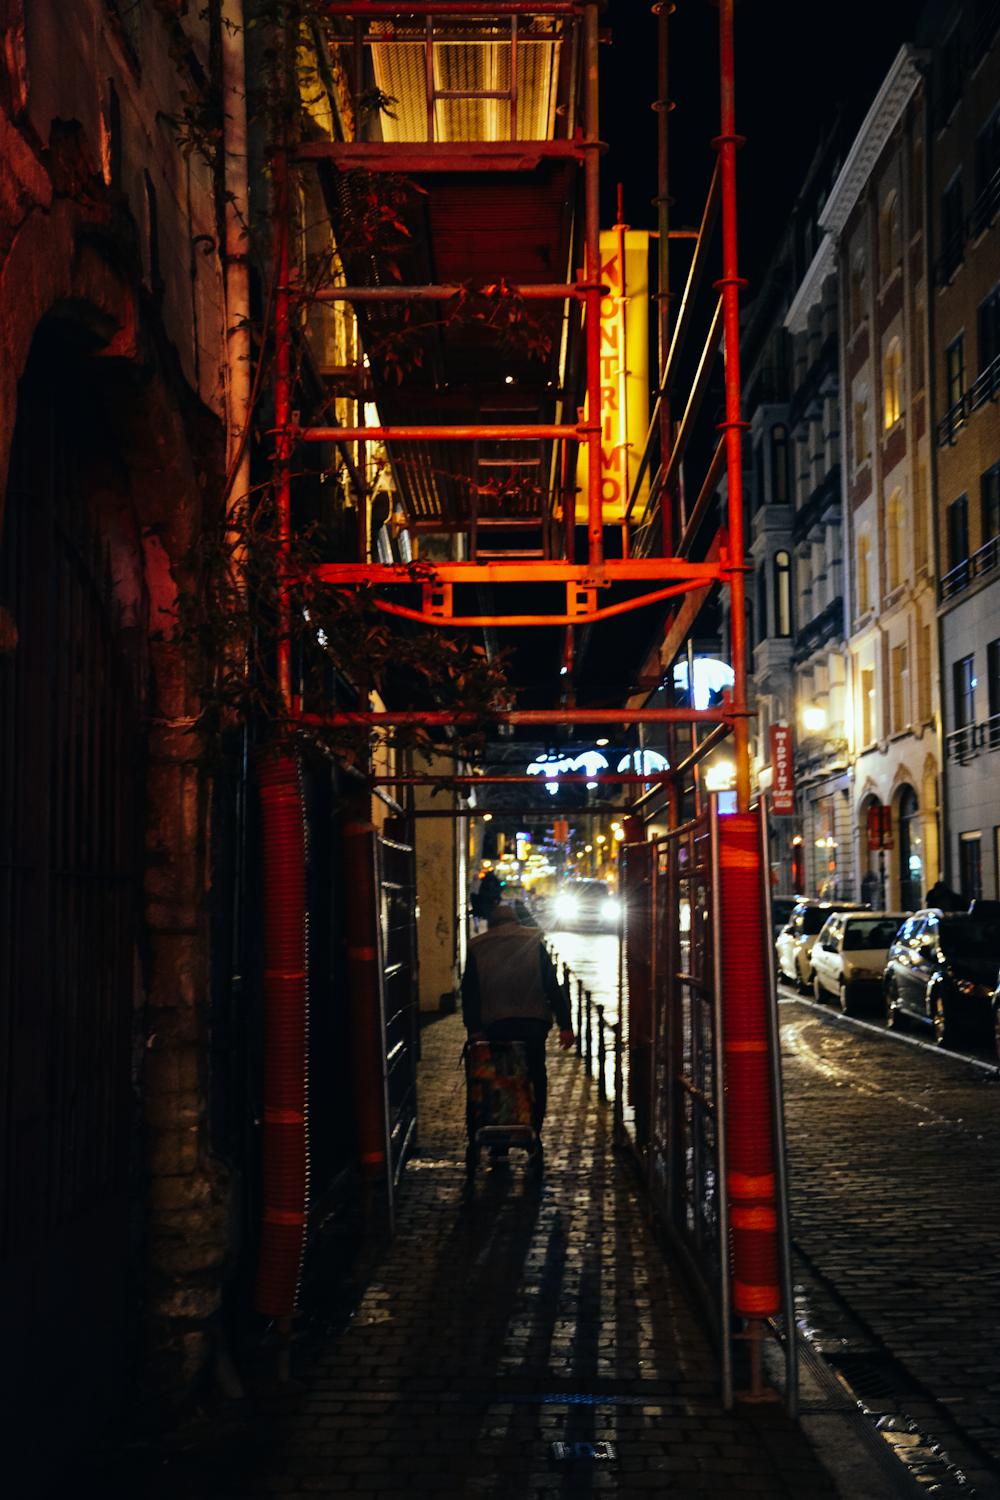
x,y
593,958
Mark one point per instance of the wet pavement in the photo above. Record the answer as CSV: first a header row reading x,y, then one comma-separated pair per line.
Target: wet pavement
x,y
895,1193
493,1326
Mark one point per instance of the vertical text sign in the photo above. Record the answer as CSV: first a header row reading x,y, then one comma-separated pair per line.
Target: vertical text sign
x,y
782,783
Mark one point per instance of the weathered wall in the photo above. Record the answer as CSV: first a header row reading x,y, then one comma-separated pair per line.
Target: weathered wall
x,y
437,898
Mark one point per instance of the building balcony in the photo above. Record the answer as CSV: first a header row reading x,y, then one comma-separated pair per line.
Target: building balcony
x,y
822,506
985,208
981,563
822,380
827,626
970,740
769,385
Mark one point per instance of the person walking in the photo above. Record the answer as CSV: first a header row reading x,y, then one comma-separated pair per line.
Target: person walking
x,y
511,993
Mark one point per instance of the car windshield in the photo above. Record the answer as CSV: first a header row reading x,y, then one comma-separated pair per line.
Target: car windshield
x,y
967,937
873,933
816,918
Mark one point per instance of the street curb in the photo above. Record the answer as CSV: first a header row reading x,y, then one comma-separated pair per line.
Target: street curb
x,y
837,1018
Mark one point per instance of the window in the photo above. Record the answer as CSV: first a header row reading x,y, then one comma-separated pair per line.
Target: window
x,y
951,232
958,533
987,175
993,690
920,518
950,90
868,717
900,688
783,593
779,465
954,371
864,552
859,292
988,383
893,380
989,503
924,675
895,521
890,237
758,476
762,604
861,446
963,673
970,852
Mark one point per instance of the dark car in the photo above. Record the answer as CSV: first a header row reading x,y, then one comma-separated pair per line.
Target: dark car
x,y
781,911
585,906
943,970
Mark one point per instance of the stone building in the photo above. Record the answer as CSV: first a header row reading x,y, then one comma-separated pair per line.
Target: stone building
x,y
963,208
875,245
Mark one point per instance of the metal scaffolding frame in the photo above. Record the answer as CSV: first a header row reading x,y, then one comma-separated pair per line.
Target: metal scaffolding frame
x,y
669,572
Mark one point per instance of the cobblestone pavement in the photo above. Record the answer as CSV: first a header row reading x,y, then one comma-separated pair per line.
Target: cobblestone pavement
x,y
483,1332
895,1192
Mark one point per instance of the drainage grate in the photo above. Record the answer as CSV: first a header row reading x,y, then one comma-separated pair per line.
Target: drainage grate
x,y
601,1452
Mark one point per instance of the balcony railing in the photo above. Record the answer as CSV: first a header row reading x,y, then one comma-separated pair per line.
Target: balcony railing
x,y
950,258
986,30
824,498
953,420
986,386
965,743
977,566
827,624
985,208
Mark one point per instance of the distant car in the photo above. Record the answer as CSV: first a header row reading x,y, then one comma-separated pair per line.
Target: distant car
x,y
585,906
781,910
943,970
849,957
796,938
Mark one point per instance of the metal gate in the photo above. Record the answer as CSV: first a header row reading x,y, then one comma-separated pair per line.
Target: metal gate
x,y
688,1041
67,913
397,891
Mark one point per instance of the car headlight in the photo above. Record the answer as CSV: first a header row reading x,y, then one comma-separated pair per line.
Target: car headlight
x,y
610,909
566,906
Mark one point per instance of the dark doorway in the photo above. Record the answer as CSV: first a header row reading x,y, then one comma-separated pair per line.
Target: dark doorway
x,y
67,934
911,852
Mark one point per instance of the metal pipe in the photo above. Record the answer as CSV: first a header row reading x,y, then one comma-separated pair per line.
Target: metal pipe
x,y
538,291
663,107
621,229
703,501
372,9
579,1018
578,778
778,1127
589,1043
609,612
442,716
595,521
513,77
282,413
428,432
719,1073
239,349
731,284
602,1083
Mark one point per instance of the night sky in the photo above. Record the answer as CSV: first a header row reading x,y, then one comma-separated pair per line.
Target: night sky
x,y
794,62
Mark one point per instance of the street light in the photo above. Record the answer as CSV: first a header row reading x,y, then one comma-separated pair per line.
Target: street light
x,y
721,777
814,719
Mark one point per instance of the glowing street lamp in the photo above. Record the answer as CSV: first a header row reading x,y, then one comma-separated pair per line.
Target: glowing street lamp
x,y
814,719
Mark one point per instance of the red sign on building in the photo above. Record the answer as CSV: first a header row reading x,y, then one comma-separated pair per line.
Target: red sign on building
x,y
782,780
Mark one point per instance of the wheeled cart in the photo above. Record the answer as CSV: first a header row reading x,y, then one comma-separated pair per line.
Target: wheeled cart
x,y
500,1099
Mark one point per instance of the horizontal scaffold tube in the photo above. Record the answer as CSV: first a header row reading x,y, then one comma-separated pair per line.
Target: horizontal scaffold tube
x,y
600,778
523,432
559,291
442,716
371,10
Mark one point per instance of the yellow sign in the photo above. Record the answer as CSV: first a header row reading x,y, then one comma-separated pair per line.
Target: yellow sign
x,y
624,376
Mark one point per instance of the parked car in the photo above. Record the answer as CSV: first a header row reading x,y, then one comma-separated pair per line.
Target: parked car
x,y
943,970
849,957
781,911
795,941
585,906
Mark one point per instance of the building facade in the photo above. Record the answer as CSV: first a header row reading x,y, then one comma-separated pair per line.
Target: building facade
x,y
964,437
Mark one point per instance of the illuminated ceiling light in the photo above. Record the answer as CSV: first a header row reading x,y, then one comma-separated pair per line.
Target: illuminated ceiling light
x,y
591,785
721,777
600,742
552,787
601,839
814,719
487,817
588,848
619,835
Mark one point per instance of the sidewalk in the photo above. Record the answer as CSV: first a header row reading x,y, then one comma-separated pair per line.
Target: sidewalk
x,y
489,1329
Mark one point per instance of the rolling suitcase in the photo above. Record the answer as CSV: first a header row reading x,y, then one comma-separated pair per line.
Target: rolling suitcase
x,y
499,1100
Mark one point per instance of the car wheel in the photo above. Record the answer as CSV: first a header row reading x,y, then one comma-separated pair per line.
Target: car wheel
x,y
946,1028
891,1001
818,994
848,1003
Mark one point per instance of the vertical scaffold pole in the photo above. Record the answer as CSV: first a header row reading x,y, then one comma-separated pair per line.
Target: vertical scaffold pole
x,y
662,106
731,285
595,532
282,407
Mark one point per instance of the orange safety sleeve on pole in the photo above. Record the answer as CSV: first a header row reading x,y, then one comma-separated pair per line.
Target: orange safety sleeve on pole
x,y
367,1041
285,1138
750,1183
